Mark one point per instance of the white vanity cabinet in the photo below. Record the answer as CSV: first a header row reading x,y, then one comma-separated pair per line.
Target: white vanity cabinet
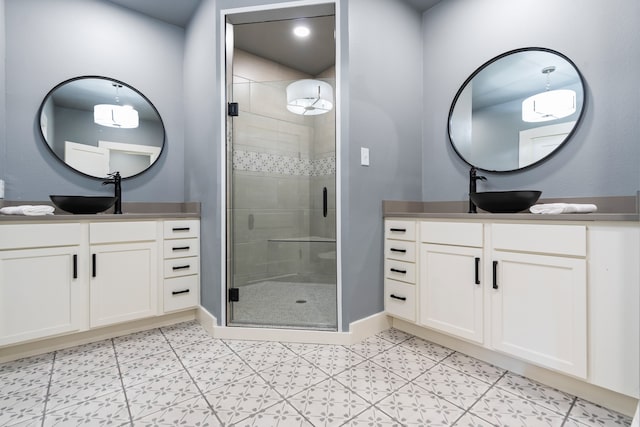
x,y
451,293
613,307
539,294
400,269
181,265
42,283
561,295
124,271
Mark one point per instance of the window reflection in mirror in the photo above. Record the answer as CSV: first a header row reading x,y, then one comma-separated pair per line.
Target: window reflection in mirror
x,y
486,126
94,143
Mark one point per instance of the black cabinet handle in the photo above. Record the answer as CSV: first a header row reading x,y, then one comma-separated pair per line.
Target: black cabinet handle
x,y
180,248
185,291
477,271
399,230
75,266
93,265
402,251
396,270
181,228
495,274
398,298
324,202
181,267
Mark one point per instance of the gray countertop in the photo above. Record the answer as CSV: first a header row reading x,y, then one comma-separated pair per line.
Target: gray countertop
x,y
132,211
623,208
517,216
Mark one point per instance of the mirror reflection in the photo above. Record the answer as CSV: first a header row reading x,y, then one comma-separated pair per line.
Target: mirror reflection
x,y
97,125
516,110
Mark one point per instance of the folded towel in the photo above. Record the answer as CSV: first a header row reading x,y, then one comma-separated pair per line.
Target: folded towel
x,y
28,210
562,208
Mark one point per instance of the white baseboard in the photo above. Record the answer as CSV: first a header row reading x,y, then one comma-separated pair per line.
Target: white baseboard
x,y
358,331
610,399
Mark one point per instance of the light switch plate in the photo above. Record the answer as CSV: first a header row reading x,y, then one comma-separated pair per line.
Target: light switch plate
x,y
364,156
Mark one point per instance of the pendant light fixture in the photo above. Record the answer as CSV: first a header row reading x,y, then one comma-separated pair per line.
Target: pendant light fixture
x,y
550,104
309,97
116,115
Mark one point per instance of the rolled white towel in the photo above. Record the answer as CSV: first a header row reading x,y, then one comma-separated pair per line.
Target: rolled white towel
x,y
563,208
28,210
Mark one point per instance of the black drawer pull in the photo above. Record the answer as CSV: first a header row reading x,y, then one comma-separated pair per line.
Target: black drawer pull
x,y
181,248
396,270
181,228
185,291
402,251
75,266
477,271
399,230
398,298
495,274
181,267
93,265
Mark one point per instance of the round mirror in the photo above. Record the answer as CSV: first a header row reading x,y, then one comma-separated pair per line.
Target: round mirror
x,y
97,125
516,110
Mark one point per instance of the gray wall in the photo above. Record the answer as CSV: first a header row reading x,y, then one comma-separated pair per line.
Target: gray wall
x,y
3,146
384,110
203,142
50,41
603,157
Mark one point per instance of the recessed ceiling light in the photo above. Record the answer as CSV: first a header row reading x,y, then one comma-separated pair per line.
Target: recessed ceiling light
x,y
301,31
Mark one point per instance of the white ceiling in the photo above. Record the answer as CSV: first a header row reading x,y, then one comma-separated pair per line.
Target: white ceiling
x,y
176,12
422,5
179,12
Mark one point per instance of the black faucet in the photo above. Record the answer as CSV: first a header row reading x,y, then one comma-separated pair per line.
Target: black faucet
x,y
473,177
116,180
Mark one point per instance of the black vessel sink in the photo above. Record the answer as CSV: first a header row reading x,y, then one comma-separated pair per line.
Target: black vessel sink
x,y
83,204
505,201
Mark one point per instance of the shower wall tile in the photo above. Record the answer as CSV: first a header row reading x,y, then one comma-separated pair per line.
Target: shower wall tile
x,y
255,68
268,163
242,93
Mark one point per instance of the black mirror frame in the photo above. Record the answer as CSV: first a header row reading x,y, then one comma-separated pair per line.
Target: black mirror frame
x,y
44,140
491,61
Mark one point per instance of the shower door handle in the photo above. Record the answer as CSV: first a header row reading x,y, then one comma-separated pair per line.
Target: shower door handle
x,y
324,202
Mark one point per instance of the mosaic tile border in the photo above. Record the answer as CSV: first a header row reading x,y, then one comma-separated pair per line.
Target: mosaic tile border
x,y
278,164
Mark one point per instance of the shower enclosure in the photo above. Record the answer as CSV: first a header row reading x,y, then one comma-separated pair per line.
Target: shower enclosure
x,y
281,180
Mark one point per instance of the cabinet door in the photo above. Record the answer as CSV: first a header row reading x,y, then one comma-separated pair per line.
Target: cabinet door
x,y
538,309
450,290
39,293
123,282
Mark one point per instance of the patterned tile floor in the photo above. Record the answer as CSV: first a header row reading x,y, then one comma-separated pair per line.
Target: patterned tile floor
x,y
179,375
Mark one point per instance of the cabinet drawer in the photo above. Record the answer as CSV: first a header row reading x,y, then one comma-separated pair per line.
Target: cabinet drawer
x,y
400,299
22,236
181,292
546,238
180,248
114,232
400,270
452,233
181,266
181,229
400,249
400,230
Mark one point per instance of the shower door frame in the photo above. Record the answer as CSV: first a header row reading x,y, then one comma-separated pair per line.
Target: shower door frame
x,y
224,121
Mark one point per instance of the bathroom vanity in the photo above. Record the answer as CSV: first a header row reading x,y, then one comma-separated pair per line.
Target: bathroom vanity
x,y
68,274
560,292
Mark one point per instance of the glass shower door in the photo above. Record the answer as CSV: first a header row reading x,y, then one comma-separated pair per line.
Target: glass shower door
x,y
281,210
